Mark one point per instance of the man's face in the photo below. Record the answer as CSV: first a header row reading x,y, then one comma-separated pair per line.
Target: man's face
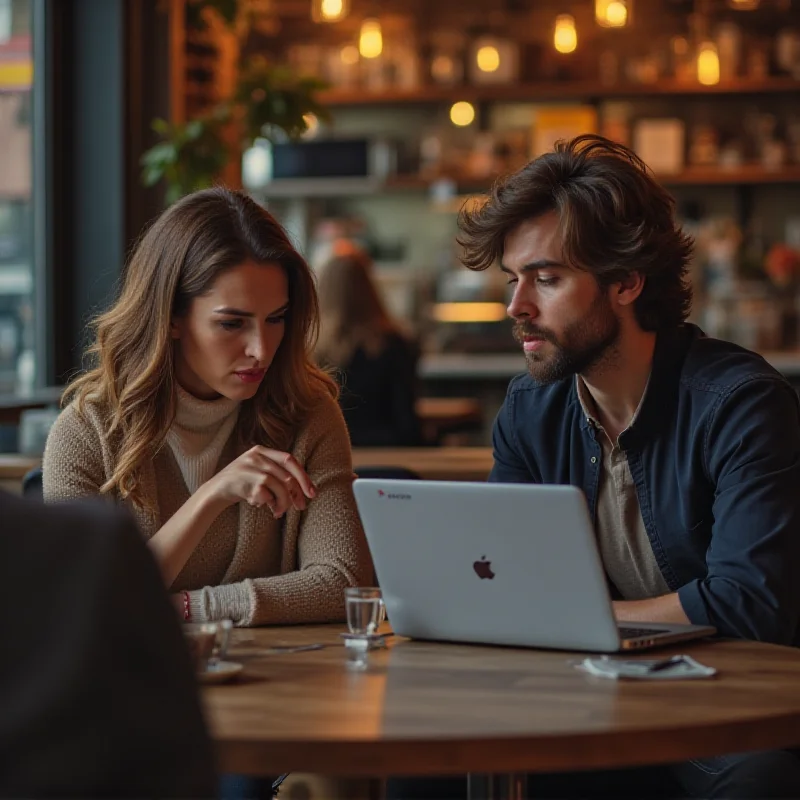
x,y
564,321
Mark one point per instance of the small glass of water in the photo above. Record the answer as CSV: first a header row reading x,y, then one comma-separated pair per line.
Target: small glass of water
x,y
365,613
365,610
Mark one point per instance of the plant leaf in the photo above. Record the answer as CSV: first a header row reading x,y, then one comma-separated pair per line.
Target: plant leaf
x,y
163,152
194,129
161,126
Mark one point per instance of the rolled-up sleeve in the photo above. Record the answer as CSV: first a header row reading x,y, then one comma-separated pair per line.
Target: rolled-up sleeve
x,y
331,552
752,451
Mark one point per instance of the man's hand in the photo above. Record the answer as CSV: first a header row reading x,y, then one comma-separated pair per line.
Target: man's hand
x,y
666,608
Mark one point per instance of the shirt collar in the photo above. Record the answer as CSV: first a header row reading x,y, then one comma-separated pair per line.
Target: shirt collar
x,y
589,407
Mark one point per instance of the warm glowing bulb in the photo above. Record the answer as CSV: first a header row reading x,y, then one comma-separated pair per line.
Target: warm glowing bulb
x,y
370,41
332,9
329,10
488,58
744,5
462,113
611,13
708,64
616,14
565,37
349,55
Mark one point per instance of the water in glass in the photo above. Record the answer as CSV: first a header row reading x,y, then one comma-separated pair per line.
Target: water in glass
x,y
364,611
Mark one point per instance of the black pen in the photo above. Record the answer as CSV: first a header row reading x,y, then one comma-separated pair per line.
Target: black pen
x,y
667,662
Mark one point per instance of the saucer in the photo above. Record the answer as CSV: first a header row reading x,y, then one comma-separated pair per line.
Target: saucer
x,y
220,672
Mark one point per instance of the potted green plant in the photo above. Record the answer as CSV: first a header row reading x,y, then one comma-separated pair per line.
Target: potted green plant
x,y
270,102
188,156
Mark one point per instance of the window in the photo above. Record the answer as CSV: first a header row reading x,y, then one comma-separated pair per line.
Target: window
x,y
17,298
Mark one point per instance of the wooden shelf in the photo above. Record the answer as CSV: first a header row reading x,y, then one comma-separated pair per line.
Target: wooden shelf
x,y
552,90
748,174
400,183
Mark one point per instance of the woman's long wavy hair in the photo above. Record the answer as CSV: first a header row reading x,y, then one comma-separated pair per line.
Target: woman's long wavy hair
x,y
178,258
352,314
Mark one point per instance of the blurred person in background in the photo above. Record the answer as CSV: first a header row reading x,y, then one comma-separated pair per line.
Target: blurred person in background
x,y
375,361
205,415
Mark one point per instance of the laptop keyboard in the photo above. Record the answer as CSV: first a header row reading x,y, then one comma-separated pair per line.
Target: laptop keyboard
x,y
635,633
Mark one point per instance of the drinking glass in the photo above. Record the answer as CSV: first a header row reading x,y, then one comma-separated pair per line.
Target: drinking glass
x,y
365,610
207,642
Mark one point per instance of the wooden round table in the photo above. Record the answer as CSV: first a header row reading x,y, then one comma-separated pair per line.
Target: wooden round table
x,y
425,708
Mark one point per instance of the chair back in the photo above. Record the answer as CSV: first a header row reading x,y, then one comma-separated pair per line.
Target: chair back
x,y
32,484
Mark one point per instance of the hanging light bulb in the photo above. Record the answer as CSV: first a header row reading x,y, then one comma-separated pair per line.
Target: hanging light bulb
x,y
488,58
462,114
708,64
370,40
565,37
612,13
329,10
744,5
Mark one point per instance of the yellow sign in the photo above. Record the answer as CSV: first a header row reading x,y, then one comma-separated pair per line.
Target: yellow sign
x,y
16,74
552,123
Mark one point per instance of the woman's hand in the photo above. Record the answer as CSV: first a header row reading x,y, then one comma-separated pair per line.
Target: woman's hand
x,y
264,476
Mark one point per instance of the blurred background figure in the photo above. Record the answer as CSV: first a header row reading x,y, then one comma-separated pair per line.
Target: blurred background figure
x,y
374,360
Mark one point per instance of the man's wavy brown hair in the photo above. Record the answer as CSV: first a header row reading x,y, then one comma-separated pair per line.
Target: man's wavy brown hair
x,y
132,378
615,219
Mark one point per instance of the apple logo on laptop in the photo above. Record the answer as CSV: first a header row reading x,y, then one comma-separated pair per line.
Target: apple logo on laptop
x,y
483,568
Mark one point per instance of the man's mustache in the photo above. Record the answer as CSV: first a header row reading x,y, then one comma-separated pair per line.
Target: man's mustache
x,y
525,329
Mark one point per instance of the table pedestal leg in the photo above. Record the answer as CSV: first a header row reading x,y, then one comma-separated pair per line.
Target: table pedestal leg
x,y
510,786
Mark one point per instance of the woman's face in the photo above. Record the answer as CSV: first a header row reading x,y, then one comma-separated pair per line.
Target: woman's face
x,y
225,343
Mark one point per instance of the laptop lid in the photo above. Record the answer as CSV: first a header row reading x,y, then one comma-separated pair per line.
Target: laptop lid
x,y
512,564
490,563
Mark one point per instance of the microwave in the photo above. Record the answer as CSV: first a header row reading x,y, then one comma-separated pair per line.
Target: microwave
x,y
318,159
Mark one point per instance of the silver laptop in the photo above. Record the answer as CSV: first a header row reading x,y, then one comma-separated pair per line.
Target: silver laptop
x,y
492,563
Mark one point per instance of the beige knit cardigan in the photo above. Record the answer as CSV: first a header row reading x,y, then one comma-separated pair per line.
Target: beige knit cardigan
x,y
249,567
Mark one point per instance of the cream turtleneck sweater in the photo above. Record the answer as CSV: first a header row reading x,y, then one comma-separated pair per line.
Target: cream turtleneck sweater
x,y
249,567
198,435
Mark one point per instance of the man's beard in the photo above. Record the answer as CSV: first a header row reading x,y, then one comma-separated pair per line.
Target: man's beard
x,y
583,345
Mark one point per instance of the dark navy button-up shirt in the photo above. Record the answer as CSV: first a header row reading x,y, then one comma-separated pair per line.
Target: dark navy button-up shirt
x,y
715,455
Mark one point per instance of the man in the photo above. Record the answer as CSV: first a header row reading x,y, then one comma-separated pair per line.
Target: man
x,y
97,693
687,448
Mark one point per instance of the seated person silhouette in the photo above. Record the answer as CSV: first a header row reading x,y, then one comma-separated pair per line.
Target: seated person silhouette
x,y
375,362
97,691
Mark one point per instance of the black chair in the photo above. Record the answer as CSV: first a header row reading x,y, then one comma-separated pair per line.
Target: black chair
x,y
388,473
32,484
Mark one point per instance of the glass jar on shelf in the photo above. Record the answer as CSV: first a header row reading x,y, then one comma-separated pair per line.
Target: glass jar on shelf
x,y
729,47
446,63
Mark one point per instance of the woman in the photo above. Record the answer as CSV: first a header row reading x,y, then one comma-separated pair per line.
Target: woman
x,y
205,415
376,361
